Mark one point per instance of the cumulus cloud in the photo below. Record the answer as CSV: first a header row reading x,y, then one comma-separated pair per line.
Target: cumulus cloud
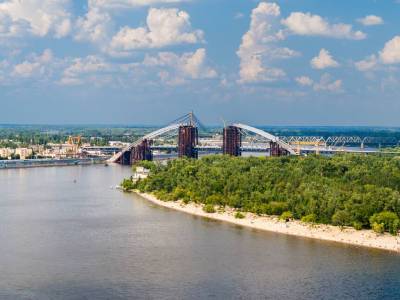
x,y
167,68
368,63
371,20
81,70
10,28
326,83
324,60
304,81
391,52
121,4
37,17
165,27
36,65
259,46
174,69
389,55
314,25
94,26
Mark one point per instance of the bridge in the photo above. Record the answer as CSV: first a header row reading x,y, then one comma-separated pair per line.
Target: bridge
x,y
236,139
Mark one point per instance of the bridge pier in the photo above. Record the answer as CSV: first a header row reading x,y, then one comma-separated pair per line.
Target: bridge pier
x,y
276,150
187,141
126,158
232,141
142,152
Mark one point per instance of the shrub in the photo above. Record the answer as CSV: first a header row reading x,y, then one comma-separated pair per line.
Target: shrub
x,y
239,215
394,229
357,225
276,208
127,185
341,218
149,165
164,196
287,215
378,228
178,193
389,219
311,218
209,208
215,199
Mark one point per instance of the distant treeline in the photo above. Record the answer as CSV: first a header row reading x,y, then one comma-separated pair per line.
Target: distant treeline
x,y
23,136
354,190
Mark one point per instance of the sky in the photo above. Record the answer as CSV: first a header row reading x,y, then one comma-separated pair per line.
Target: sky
x,y
283,62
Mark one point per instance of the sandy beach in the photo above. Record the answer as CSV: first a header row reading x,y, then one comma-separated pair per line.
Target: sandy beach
x,y
364,238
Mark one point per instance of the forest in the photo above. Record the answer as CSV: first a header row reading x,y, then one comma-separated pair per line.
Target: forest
x,y
344,190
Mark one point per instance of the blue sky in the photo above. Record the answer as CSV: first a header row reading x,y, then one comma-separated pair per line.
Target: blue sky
x,y
288,62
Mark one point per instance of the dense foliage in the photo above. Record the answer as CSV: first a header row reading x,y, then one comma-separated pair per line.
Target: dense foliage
x,y
345,190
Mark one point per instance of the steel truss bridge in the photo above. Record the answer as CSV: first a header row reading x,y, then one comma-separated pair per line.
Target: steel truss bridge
x,y
236,139
337,141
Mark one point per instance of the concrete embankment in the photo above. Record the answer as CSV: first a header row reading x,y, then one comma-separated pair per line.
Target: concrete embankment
x,y
33,163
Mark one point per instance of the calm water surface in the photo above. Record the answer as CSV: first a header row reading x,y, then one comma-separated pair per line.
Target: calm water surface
x,y
65,234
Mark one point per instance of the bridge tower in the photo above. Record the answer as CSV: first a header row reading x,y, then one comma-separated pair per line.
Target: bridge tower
x,y
232,141
187,141
142,152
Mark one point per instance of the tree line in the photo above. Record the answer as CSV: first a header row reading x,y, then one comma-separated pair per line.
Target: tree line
x,y
345,190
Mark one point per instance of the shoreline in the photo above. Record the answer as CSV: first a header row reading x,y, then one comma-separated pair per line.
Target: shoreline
x,y
349,236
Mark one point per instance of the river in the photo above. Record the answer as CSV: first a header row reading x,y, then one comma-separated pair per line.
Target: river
x,y
66,234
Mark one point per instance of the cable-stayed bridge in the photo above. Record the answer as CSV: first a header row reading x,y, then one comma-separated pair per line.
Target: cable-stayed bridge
x,y
182,136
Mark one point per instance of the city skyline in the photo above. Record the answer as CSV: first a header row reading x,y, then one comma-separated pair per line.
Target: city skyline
x,y
145,61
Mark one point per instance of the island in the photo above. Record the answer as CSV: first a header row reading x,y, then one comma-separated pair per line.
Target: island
x,y
345,198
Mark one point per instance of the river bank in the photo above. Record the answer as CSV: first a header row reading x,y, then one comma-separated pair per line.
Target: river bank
x,y
35,163
363,238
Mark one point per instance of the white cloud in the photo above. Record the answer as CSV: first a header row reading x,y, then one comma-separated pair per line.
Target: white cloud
x,y
371,20
326,83
304,81
391,52
94,27
37,17
85,69
367,64
9,28
121,4
258,47
389,55
36,66
323,60
314,25
174,69
165,27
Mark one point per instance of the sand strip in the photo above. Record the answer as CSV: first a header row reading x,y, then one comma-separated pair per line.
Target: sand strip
x,y
364,238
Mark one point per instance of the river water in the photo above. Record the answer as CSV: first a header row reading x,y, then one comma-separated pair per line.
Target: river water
x,y
66,234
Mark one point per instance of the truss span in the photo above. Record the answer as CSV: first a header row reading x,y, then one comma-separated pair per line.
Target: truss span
x,y
267,136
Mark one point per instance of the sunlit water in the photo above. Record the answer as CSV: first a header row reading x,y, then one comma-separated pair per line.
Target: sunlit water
x,y
65,234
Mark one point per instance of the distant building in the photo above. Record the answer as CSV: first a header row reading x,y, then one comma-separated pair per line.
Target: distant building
x,y
6,152
23,153
141,173
117,144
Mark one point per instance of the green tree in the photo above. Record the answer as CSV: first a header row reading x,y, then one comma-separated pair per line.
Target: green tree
x,y
390,221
